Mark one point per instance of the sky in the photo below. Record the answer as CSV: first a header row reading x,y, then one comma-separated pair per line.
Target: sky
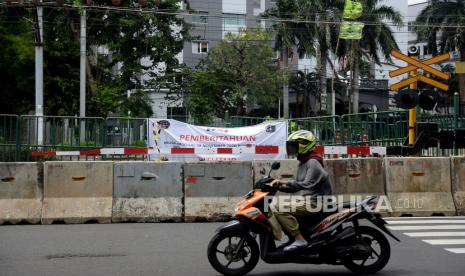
x,y
410,2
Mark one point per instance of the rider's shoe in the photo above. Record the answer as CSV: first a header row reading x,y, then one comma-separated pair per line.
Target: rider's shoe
x,y
296,245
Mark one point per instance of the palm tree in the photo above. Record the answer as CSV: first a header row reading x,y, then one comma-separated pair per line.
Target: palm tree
x,y
304,85
377,38
441,25
285,37
325,11
306,28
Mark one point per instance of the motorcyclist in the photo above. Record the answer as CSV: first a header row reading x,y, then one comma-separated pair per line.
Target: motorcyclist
x,y
312,181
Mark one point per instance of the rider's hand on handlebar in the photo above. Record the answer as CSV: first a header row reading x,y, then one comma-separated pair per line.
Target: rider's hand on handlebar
x,y
275,183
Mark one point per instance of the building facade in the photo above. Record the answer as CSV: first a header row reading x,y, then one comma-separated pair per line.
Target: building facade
x,y
211,20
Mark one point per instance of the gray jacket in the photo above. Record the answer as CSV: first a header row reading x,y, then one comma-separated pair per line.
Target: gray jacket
x,y
312,180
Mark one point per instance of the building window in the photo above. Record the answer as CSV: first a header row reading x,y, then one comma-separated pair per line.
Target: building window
x,y
409,26
200,18
234,19
200,47
425,50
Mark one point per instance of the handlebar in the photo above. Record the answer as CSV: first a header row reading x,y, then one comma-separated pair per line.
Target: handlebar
x,y
263,184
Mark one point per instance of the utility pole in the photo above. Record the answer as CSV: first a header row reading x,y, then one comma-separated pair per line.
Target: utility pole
x,y
286,85
333,98
39,74
82,81
353,105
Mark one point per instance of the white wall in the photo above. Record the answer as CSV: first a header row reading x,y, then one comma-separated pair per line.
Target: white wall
x,y
235,6
402,37
160,104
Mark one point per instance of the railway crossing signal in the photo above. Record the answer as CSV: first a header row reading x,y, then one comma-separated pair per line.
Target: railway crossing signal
x,y
408,98
415,64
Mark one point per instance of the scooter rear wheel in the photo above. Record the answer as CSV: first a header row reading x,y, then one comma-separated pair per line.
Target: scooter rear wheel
x,y
233,253
381,252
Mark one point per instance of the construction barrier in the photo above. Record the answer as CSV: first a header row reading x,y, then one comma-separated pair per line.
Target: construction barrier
x,y
77,192
212,189
147,192
356,178
419,186
458,183
287,170
20,193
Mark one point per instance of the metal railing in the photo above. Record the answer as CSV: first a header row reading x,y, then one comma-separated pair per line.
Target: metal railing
x,y
241,121
326,128
9,135
22,135
386,128
127,132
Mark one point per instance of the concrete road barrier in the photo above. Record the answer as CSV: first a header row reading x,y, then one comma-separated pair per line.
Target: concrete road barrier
x,y
458,183
20,193
147,192
287,170
77,192
419,186
212,189
356,178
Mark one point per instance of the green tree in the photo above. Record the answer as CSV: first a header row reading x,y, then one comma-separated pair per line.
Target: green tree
x,y
439,24
304,85
128,50
310,28
208,97
246,70
144,48
16,62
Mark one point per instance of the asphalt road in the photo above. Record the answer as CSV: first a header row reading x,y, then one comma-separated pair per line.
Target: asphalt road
x,y
180,249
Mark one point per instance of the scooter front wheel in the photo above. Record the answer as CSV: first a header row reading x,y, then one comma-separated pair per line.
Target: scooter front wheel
x,y
233,253
380,252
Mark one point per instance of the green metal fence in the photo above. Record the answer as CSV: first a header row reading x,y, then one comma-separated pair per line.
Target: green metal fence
x,y
125,132
387,128
327,129
21,135
9,137
58,133
233,121
241,121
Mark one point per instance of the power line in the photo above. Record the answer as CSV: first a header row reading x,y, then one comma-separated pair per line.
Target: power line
x,y
129,10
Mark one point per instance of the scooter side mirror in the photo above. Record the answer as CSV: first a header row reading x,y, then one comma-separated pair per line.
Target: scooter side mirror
x,y
275,166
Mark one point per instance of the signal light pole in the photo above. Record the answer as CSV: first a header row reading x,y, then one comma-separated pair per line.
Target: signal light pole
x,y
413,65
412,112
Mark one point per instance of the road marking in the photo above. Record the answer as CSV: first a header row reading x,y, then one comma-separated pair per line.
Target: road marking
x,y
420,218
456,250
417,227
435,234
445,241
427,227
428,221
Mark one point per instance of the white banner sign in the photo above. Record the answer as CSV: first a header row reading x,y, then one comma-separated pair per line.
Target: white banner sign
x,y
174,140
